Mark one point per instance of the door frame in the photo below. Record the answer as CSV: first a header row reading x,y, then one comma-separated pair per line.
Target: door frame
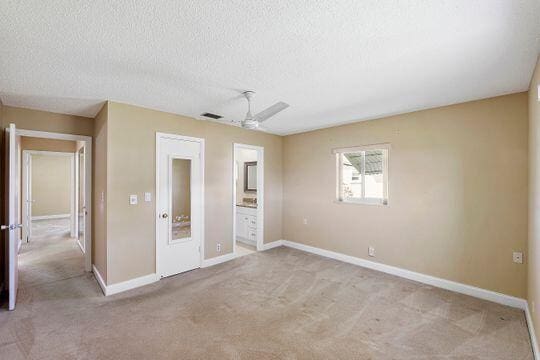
x,y
87,141
159,137
27,183
260,193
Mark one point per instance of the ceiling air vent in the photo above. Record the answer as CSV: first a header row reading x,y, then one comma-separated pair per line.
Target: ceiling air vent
x,y
211,116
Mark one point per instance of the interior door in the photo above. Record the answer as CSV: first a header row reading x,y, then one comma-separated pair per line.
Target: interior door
x,y
81,211
179,213
12,226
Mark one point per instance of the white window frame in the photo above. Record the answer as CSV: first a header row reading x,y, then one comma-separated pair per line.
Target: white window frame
x,y
339,175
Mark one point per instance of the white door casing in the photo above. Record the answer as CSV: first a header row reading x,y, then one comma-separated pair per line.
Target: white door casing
x,y
86,141
259,238
80,198
179,236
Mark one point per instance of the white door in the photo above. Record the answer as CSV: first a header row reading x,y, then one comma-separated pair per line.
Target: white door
x,y
179,204
12,226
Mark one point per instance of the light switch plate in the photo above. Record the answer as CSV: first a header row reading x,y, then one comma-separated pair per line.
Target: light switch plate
x,y
517,257
147,196
133,199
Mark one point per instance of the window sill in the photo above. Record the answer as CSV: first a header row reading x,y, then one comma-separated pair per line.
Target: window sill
x,y
363,202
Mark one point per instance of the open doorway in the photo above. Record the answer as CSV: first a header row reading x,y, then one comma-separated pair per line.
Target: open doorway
x,y
248,199
52,244
52,185
48,191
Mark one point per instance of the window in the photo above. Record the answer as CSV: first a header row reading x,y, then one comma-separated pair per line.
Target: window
x,y
363,174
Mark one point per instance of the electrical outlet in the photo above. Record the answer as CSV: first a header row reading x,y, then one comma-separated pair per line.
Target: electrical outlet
x,y
218,247
371,251
304,221
517,257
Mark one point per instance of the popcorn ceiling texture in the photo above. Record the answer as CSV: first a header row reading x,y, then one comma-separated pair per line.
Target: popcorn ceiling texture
x,y
332,61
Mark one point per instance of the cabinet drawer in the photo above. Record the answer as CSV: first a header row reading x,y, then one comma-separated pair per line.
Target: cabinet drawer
x,y
252,235
252,222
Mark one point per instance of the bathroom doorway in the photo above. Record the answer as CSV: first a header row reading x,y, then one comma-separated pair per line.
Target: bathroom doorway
x,y
248,199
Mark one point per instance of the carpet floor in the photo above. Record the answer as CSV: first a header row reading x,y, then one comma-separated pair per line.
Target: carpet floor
x,y
277,304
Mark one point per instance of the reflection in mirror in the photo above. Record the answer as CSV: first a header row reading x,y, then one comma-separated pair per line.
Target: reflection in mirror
x,y
181,199
250,176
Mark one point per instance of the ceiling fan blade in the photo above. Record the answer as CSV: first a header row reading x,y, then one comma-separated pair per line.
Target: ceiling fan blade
x,y
271,111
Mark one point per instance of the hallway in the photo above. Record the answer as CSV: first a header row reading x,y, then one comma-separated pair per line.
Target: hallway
x,y
51,255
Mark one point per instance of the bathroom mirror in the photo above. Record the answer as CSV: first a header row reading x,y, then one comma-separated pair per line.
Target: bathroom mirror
x,y
250,176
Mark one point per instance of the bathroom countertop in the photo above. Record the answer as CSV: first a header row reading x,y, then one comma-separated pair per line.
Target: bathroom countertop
x,y
247,205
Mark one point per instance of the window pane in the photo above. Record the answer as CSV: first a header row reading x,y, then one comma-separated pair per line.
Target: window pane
x,y
181,199
374,187
352,175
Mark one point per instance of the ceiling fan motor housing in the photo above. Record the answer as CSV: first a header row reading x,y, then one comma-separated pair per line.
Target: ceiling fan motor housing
x,y
250,124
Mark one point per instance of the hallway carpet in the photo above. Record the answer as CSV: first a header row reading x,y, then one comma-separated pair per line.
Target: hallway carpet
x,y
277,304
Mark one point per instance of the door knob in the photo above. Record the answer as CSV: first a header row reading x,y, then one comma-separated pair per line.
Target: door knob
x,y
164,215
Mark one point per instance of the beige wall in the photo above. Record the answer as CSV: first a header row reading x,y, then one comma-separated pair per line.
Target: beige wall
x,y
51,185
457,192
131,170
99,191
242,156
29,119
41,144
534,199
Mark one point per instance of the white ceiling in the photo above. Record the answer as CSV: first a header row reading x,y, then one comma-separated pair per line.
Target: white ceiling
x,y
333,61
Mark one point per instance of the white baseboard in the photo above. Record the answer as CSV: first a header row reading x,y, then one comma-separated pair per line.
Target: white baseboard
x,y
80,246
272,245
124,285
50,217
532,333
217,260
99,279
419,277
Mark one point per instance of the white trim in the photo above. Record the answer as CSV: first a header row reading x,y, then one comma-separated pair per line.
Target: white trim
x,y
80,246
260,194
52,135
124,285
50,217
273,244
419,277
73,191
231,256
201,141
131,284
218,260
384,146
532,334
100,280
87,140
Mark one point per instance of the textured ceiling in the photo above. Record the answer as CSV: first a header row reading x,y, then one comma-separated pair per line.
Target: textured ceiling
x,y
333,61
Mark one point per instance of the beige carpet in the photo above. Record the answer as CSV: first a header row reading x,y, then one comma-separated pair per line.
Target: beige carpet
x,y
278,304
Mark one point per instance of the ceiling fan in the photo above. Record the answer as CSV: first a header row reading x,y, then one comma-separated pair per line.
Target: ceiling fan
x,y
253,121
